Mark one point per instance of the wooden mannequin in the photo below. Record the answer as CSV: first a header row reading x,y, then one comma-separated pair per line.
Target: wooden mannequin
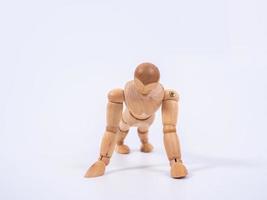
x,y
143,97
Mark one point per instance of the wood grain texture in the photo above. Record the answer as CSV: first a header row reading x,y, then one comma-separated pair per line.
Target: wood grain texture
x,y
169,112
172,146
169,120
143,106
113,116
147,73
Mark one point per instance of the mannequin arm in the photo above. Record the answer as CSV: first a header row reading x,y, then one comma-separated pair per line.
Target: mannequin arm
x,y
113,117
171,140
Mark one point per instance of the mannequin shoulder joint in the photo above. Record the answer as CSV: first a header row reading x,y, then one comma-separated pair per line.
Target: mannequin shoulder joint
x,y
116,96
171,95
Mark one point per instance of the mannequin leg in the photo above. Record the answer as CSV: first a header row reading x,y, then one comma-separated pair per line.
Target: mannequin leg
x,y
146,147
121,147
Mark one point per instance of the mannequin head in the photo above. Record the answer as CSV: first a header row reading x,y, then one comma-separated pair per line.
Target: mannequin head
x,y
146,78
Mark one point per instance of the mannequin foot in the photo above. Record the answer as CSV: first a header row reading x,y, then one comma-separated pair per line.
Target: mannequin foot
x,y
97,169
123,149
146,148
178,170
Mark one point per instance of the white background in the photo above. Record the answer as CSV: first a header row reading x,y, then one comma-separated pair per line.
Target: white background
x,y
58,59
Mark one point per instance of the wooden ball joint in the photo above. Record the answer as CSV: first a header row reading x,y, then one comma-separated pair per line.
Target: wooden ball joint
x,y
142,97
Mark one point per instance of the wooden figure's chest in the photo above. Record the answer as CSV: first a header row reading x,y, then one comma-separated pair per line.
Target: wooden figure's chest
x,y
143,106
